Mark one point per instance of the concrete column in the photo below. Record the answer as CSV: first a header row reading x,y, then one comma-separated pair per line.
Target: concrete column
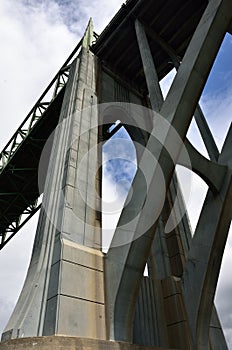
x,y
64,289
75,299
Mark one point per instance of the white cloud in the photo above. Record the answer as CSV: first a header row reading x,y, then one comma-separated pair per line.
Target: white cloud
x,y
110,218
167,81
224,291
101,12
35,45
119,166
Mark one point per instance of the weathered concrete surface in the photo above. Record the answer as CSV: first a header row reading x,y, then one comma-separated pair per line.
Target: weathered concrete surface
x,y
80,284
69,343
61,281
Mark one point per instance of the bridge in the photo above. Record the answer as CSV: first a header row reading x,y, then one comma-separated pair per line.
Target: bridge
x,y
72,288
116,46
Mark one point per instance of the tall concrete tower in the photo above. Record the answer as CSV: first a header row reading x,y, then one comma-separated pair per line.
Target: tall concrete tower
x,y
75,296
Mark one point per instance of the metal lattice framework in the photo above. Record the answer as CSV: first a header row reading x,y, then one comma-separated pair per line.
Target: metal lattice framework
x,y
36,113
8,157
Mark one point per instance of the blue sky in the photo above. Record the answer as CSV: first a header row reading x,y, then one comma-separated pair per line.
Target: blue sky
x,y
220,77
36,38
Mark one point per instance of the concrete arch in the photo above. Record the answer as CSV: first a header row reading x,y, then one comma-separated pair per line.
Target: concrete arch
x,y
134,118
125,273
211,172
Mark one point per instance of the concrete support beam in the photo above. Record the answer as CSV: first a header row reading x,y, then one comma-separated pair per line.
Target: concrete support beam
x,y
165,46
159,262
151,76
206,251
211,172
199,164
125,264
199,116
206,134
159,251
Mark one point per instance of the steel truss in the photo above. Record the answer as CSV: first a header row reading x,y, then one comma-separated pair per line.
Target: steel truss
x,y
22,135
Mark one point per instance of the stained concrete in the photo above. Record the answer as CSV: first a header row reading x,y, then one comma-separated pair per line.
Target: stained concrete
x,y
65,276
69,343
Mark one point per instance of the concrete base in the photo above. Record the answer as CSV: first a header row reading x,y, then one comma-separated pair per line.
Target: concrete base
x,y
69,343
